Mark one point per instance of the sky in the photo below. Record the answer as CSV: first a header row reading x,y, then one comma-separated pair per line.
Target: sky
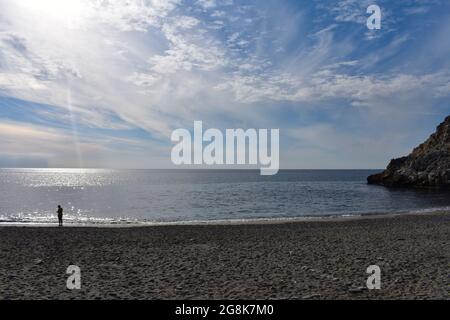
x,y
103,83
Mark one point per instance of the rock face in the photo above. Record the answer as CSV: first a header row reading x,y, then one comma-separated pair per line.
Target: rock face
x,y
427,166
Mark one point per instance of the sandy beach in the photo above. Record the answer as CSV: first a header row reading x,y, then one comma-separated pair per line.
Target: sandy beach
x,y
295,260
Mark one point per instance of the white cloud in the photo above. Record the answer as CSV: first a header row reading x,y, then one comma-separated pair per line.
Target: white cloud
x,y
157,65
417,10
348,10
129,15
327,85
21,81
207,4
59,147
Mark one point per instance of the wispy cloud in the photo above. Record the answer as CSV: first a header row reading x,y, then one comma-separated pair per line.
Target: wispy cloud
x,y
140,68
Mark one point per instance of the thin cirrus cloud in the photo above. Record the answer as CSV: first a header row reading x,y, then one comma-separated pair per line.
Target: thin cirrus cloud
x,y
110,80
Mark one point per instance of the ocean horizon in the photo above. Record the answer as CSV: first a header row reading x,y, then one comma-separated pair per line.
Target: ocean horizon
x,y
176,196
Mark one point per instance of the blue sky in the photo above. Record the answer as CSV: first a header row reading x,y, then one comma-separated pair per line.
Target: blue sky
x,y
104,83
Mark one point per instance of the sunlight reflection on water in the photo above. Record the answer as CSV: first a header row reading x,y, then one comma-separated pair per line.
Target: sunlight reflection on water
x,y
115,196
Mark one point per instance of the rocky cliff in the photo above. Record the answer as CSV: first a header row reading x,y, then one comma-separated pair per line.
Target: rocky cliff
x,y
427,166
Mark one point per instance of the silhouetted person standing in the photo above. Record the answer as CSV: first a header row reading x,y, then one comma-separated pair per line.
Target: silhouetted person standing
x,y
60,216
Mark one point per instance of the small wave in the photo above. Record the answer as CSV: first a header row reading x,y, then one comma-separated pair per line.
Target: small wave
x,y
118,222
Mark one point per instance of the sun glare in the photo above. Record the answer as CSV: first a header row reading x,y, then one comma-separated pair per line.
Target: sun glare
x,y
68,10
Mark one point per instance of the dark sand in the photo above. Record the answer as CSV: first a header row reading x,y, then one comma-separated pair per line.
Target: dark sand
x,y
296,260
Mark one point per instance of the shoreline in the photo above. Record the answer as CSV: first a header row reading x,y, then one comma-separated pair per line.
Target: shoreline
x,y
226,222
299,260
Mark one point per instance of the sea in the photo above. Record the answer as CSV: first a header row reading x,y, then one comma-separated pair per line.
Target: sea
x,y
122,197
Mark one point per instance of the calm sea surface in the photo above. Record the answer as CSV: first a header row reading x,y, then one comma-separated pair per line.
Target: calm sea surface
x,y
133,196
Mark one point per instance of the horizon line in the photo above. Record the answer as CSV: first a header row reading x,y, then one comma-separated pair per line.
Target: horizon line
x,y
222,169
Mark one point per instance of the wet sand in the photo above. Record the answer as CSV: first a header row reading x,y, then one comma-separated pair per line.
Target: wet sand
x,y
293,260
